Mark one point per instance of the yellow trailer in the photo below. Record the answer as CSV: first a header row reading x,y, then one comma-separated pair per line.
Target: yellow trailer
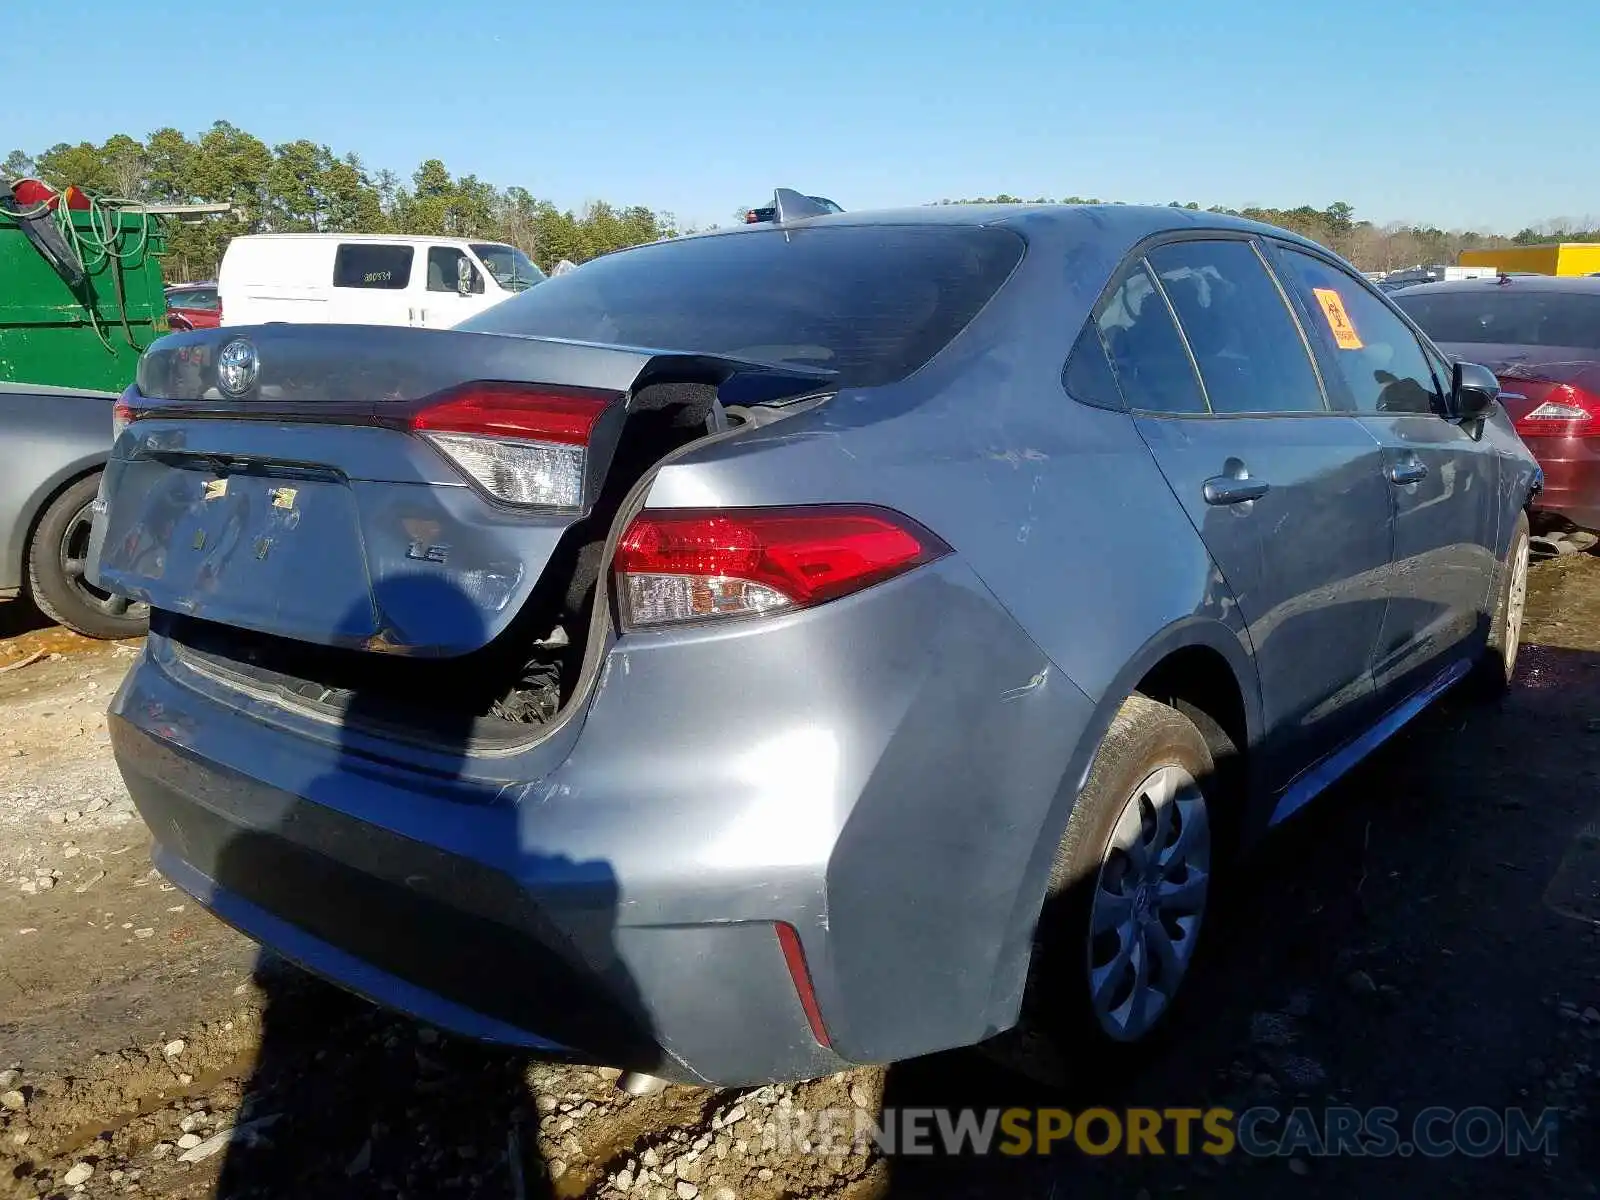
x,y
1564,258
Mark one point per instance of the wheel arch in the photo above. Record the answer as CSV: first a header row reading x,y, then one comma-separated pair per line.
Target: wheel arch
x,y
38,503
1199,661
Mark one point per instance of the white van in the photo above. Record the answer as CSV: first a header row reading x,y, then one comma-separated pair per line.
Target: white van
x,y
367,278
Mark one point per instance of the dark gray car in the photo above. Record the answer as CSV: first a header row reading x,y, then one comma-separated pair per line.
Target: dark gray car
x,y
53,444
802,645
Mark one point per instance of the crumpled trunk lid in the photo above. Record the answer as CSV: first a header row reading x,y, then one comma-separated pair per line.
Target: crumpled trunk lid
x,y
271,480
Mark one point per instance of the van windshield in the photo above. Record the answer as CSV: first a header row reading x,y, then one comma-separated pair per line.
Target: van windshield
x,y
511,268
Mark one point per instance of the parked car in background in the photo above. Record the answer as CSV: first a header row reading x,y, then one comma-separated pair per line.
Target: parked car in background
x,y
193,306
1541,335
891,653
56,442
367,279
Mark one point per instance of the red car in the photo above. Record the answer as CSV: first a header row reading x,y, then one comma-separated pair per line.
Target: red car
x,y
1541,335
193,306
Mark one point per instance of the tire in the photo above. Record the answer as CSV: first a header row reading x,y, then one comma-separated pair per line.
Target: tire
x,y
1152,787
1499,662
55,571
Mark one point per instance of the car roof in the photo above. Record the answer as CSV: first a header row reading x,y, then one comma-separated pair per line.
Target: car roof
x,y
1127,223
1566,284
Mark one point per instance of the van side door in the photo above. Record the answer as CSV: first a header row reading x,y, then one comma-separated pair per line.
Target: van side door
x,y
441,305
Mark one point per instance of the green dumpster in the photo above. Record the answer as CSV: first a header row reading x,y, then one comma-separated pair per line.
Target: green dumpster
x,y
89,337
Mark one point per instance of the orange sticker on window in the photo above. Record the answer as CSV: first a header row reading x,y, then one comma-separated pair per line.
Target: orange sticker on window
x,y
1344,333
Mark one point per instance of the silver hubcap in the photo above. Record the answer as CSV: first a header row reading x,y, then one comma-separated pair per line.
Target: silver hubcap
x,y
1516,602
1149,899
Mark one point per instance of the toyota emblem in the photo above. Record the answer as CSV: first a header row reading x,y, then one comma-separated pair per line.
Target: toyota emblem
x,y
237,367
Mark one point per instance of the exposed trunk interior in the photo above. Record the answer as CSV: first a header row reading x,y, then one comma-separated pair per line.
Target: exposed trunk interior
x,y
526,676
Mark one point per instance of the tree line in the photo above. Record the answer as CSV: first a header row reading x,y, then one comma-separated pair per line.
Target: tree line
x,y
1370,246
305,186
300,187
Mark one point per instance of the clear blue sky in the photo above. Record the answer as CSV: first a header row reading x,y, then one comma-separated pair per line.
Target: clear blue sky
x,y
1467,113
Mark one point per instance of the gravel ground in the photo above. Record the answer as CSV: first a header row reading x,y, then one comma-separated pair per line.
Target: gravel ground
x,y
1429,933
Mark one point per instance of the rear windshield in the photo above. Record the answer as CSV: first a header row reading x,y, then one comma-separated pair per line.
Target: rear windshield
x,y
869,302
1502,315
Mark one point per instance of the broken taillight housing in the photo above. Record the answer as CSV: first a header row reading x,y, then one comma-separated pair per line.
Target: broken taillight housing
x,y
522,444
123,414
677,565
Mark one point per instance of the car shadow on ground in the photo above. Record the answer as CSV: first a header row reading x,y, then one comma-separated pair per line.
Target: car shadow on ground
x,y
350,1099
19,616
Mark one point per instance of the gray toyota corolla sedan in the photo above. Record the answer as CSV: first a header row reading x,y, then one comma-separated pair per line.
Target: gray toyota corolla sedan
x,y
807,644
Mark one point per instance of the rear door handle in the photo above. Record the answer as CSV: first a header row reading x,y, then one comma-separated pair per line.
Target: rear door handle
x,y
1407,470
1230,489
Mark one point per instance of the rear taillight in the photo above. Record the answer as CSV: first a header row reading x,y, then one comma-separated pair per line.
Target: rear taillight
x,y
676,565
523,445
123,414
1559,409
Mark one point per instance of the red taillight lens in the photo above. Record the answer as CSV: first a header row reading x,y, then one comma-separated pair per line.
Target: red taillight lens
x,y
513,410
1558,409
689,565
525,445
123,414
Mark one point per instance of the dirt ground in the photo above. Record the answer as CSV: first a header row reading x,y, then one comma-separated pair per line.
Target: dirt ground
x,y
1428,933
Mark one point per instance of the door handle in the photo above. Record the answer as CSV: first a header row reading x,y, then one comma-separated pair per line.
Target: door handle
x,y
1408,470
1234,489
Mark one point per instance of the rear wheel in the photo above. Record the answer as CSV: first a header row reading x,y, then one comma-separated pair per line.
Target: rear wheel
x,y
57,556
1121,925
1499,661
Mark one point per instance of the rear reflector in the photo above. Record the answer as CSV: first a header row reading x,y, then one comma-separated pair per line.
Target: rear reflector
x,y
524,445
676,565
794,956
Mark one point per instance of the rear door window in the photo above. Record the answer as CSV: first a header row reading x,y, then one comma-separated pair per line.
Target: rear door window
x,y
871,303
1146,351
372,265
1243,336
1375,363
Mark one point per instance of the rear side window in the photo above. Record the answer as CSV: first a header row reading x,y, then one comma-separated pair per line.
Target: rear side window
x,y
870,302
1362,344
372,265
1502,314
1146,352
1243,335
1087,375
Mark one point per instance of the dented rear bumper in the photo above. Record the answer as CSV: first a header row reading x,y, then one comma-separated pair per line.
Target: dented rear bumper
x,y
615,893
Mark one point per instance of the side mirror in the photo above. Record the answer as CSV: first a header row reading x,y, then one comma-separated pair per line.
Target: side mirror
x,y
463,276
1473,391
